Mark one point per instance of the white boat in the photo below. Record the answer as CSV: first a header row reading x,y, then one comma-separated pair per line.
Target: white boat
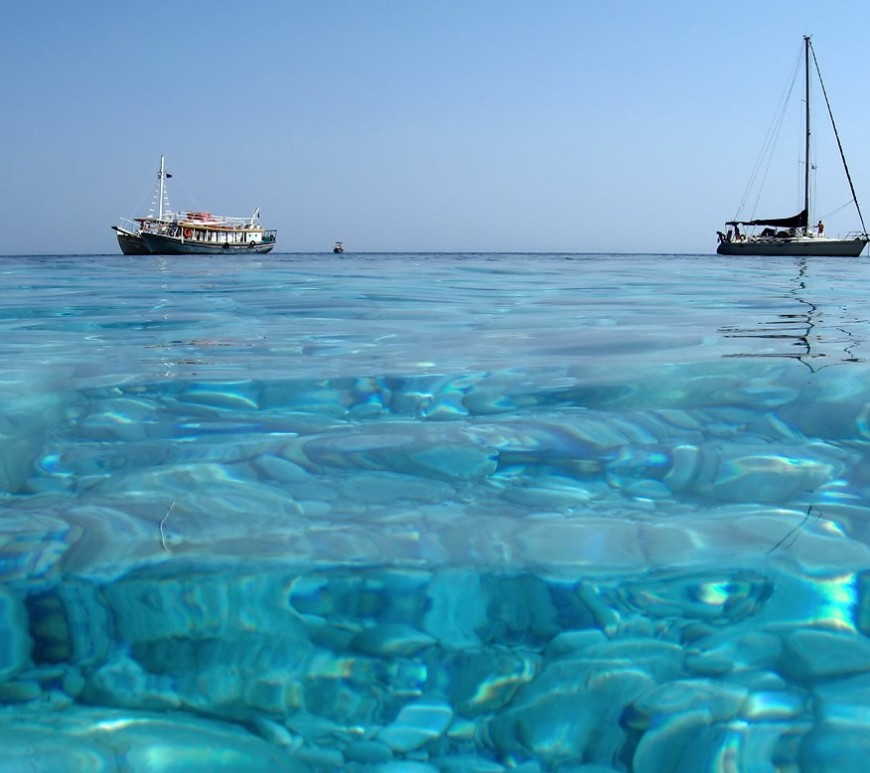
x,y
185,233
795,235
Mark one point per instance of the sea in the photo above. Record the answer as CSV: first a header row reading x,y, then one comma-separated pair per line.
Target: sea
x,y
425,513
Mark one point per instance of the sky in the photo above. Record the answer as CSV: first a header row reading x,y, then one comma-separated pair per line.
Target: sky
x,y
417,125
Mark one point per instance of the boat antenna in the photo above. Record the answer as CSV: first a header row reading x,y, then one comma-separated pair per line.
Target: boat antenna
x,y
837,136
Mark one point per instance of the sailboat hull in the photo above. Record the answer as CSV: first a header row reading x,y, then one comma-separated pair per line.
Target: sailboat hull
x,y
817,246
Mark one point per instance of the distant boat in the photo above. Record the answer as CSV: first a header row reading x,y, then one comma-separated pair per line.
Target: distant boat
x,y
794,235
191,233
338,247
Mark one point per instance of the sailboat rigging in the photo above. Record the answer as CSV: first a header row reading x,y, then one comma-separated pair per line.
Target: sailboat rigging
x,y
794,235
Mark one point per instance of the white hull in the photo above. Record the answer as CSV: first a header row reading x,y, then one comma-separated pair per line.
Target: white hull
x,y
816,246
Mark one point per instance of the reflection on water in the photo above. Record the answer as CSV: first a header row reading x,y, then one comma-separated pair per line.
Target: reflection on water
x,y
816,336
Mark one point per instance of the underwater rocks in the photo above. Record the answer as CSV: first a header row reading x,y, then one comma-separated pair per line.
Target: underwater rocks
x,y
840,739
293,437
388,575
25,424
92,740
14,639
121,532
367,668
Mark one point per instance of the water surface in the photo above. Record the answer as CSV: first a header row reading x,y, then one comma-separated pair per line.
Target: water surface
x,y
434,513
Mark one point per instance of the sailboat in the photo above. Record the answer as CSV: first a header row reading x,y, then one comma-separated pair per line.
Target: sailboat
x,y
794,235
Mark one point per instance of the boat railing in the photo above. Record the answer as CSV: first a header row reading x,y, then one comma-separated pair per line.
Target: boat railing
x,y
150,223
206,218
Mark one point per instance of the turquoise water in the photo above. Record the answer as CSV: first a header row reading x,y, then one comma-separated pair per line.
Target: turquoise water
x,y
434,513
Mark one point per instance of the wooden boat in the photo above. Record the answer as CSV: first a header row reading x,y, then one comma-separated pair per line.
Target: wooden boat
x,y
190,233
795,235
202,233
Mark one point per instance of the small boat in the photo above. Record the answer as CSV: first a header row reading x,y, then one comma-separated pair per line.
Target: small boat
x,y
338,247
191,233
794,235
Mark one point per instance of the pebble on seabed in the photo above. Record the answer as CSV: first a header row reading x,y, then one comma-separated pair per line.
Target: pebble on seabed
x,y
417,723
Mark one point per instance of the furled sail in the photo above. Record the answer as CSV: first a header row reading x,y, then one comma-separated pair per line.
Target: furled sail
x,y
799,220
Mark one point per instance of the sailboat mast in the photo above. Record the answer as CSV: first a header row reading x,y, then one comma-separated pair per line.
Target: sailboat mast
x,y
162,189
807,131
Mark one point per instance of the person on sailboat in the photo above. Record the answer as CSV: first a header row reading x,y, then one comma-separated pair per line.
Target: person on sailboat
x,y
821,228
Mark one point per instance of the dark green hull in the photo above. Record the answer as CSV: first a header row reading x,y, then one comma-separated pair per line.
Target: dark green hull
x,y
129,242
158,244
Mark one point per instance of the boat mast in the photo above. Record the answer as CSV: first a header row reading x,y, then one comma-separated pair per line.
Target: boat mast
x,y
807,134
162,189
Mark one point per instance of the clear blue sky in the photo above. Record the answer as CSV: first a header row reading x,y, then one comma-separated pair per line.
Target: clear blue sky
x,y
443,125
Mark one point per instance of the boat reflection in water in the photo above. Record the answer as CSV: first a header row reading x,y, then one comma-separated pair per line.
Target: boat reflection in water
x,y
815,333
